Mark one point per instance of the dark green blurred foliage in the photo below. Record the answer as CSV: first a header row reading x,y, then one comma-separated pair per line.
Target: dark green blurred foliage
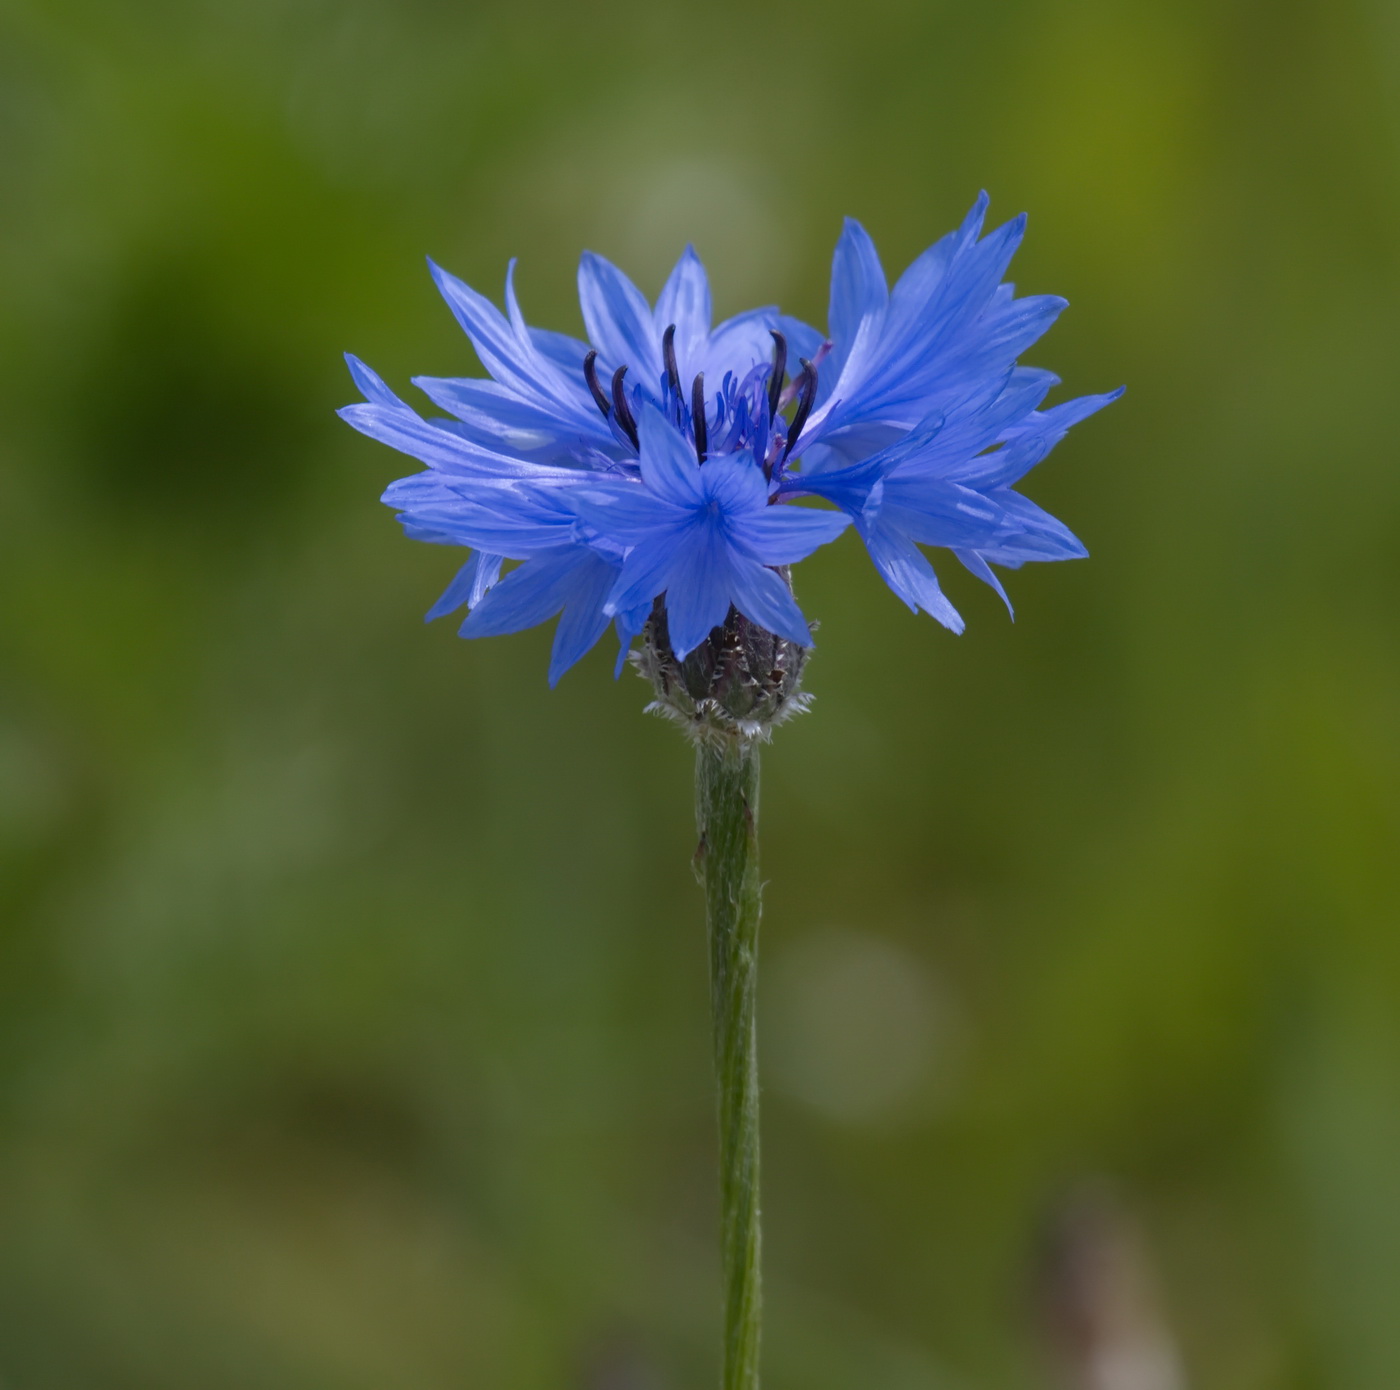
x,y
352,1003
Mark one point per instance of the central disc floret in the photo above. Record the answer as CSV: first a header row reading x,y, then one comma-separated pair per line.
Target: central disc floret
x,y
747,410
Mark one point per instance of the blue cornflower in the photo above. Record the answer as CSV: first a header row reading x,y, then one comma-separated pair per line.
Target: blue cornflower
x,y
646,474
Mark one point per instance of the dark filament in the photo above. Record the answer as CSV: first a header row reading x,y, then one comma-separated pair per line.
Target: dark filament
x,y
673,372
697,417
590,375
806,394
624,411
775,379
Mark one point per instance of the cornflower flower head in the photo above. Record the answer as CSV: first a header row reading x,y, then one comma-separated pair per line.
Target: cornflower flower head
x,y
663,478
645,479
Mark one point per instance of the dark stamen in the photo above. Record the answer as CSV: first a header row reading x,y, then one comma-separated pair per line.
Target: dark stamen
x,y
697,417
673,372
775,380
590,375
623,410
807,393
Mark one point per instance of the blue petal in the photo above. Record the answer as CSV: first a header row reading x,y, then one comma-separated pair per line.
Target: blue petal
x,y
497,416
531,594
783,535
934,512
583,621
762,597
740,343
629,625
618,319
907,571
458,591
647,571
685,302
370,383
469,587
1029,443
625,512
401,429
564,351
440,447
1042,536
697,594
482,530
734,483
668,463
978,566
495,341
858,290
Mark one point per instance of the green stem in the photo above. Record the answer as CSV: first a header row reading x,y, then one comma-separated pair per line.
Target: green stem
x,y
726,811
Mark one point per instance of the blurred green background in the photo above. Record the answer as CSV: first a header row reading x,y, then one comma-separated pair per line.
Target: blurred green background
x,y
353,1016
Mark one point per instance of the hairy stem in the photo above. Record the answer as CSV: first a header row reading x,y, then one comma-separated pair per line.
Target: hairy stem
x,y
726,809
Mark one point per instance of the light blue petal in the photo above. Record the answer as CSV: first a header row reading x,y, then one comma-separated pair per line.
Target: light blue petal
x,y
491,334
739,344
500,418
370,383
802,339
440,448
618,319
1029,443
566,352
914,292
484,531
685,302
